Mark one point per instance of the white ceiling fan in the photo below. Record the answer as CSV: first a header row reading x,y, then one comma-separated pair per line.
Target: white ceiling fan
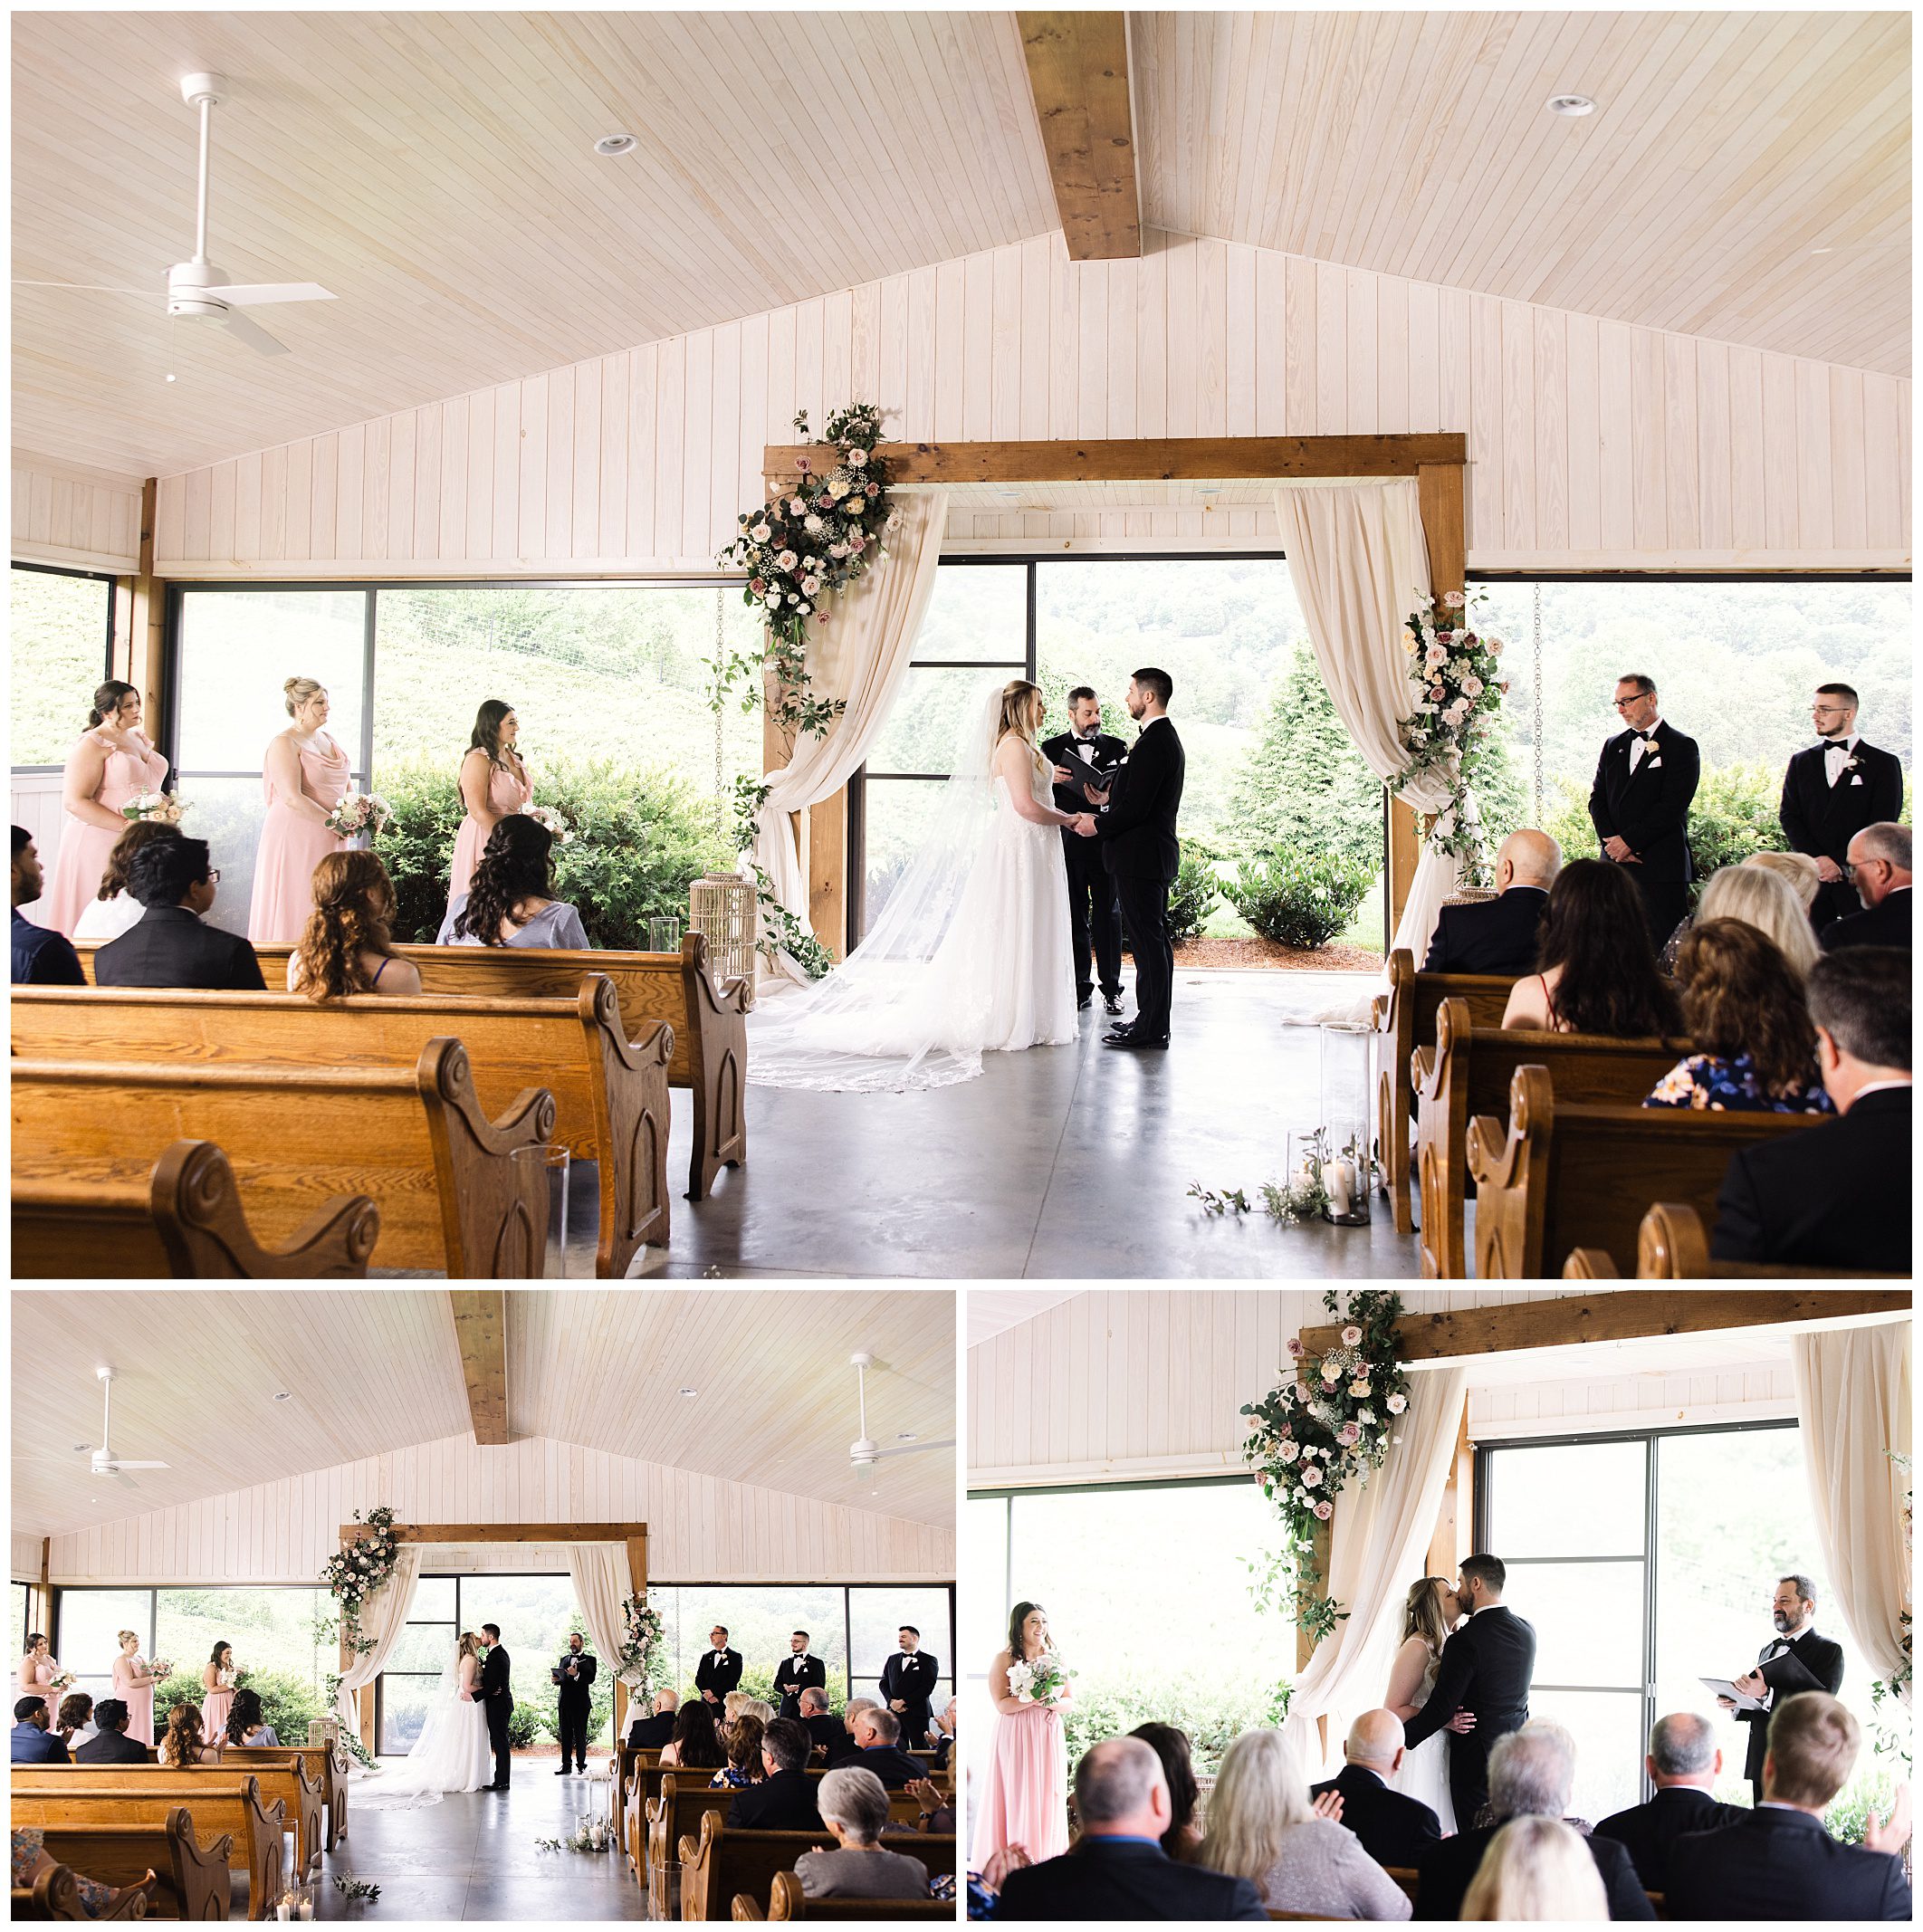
x,y
864,1452
102,1461
199,290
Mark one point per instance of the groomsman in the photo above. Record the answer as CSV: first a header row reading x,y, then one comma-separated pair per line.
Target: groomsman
x,y
720,1670
1795,1659
1093,915
799,1671
1640,804
908,1682
1831,792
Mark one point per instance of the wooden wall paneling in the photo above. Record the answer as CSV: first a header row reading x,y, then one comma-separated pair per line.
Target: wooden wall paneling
x,y
1363,411
697,449
441,442
1299,327
810,393
1781,474
1713,453
1582,433
80,519
376,486
1815,484
1550,388
1332,346
1682,509
475,529
1848,482
1886,524
584,481
837,348
1392,353
613,456
642,377
918,410
1150,281
530,523
670,402
1749,519
1092,375
1269,339
1211,337
1616,389
1484,511
221,528
948,357
1520,408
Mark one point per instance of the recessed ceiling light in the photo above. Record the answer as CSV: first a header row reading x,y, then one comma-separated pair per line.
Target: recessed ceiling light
x,y
690,1391
906,1435
612,144
172,378
1822,251
283,1395
81,1448
1574,105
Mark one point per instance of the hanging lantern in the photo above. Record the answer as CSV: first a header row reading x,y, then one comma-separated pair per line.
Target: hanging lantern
x,y
722,908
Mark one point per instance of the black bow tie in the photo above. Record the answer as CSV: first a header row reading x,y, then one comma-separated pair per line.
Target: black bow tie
x,y
1647,737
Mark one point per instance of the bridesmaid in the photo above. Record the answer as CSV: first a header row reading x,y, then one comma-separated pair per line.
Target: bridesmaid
x,y
111,762
133,1684
494,784
37,1672
1025,1794
217,1676
307,775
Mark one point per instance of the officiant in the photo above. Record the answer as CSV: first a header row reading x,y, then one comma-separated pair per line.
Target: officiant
x,y
1795,1659
574,1677
1085,752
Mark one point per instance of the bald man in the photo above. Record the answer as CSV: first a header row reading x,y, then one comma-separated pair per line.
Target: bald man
x,y
1498,935
1878,868
1394,1828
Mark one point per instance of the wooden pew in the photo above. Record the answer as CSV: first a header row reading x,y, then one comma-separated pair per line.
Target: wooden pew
x,y
785,1900
678,990
229,1812
181,1215
1566,1174
191,1883
720,1864
416,1141
610,1096
326,1765
1467,1071
628,1762
1405,1017
1673,1245
55,1893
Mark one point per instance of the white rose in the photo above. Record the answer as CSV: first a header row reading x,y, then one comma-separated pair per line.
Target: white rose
x,y
1289,1451
1397,1403
812,524
787,561
1312,1476
1472,686
855,506
761,533
856,458
837,488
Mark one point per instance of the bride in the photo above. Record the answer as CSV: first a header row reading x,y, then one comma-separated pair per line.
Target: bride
x,y
1430,1614
452,1752
971,954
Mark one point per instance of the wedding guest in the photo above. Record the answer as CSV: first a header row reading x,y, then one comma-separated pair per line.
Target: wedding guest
x,y
731,1708
1762,897
1536,1869
1744,1010
1263,1825
1878,868
652,1732
743,1746
934,1810
1832,791
695,1745
133,1684
1640,806
185,1743
1797,870
1797,1657
1392,1828
113,910
1117,1869
1178,1769
1499,935
247,1722
877,1734
219,1677
348,947
828,1734
33,1740
854,1808
42,957
494,785
510,902
76,1725
38,1670
1779,1862
1836,1195
1595,969
173,945
306,776
111,764
1683,1766
110,1743
784,1800
759,1709
944,1734
1531,1772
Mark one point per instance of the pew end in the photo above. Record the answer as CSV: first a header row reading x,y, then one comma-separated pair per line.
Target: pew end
x,y
785,1900
1672,1245
55,1893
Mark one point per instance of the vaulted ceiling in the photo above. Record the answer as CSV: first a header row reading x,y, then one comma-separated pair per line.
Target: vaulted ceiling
x,y
436,171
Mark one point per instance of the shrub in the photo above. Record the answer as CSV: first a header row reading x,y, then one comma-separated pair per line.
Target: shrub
x,y
525,1724
288,1702
1214,1713
1197,888
1298,900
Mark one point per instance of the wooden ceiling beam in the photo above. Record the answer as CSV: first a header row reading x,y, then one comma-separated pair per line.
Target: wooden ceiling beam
x,y
479,1319
623,1532
1078,78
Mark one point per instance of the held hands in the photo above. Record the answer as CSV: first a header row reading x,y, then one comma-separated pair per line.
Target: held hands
x,y
1462,1723
1828,870
1083,823
1617,849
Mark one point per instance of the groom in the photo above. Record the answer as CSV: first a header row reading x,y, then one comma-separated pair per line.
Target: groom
x,y
500,1702
1485,1673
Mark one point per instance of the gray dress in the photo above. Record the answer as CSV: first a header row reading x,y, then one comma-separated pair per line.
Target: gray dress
x,y
1321,1868
845,1874
557,927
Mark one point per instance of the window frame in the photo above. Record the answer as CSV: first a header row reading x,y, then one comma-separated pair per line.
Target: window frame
x,y
113,591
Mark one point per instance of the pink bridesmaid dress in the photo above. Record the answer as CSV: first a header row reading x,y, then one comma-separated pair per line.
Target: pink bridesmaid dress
x,y
214,1704
84,849
36,1674
1024,1798
292,846
138,1698
506,793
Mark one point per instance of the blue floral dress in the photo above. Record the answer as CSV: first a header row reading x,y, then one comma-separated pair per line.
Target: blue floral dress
x,y
1706,1081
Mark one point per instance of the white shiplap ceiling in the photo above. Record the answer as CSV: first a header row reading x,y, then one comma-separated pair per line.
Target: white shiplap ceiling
x,y
377,1369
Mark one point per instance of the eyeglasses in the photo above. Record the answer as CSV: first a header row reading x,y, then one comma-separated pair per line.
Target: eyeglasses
x,y
1624,703
213,877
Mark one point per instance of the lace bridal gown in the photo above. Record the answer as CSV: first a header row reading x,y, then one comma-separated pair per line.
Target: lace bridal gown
x,y
1425,1774
451,1754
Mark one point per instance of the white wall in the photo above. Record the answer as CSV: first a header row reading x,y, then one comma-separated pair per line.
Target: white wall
x,y
83,519
26,1554
1748,1393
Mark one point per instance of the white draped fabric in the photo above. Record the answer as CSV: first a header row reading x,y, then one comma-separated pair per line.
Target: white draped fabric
x,y
1853,1396
599,1572
383,1616
861,656
1380,1546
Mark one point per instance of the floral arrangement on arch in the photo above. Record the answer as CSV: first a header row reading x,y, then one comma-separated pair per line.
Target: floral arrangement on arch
x,y
640,1664
360,1570
1458,673
1329,1423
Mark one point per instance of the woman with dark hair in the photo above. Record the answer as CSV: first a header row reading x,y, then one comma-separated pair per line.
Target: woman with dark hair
x,y
1025,1787
1746,1013
219,1676
696,1745
247,1722
1171,1746
743,1768
184,1742
510,900
494,785
111,764
114,910
76,1719
1595,969
348,945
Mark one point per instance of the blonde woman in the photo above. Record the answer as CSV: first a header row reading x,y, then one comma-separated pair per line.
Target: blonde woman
x,y
1536,1869
133,1684
1805,877
1430,1612
306,775
1760,896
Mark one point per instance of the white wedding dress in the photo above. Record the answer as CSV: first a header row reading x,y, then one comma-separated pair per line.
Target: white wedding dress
x,y
1424,1772
451,1754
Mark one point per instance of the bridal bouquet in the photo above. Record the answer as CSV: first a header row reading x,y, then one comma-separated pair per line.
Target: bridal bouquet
x,y
359,812
164,806
62,1680
1045,1681
160,1667
545,815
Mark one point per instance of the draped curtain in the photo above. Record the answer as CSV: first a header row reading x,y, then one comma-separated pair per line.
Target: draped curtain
x,y
383,1616
1379,1547
599,1572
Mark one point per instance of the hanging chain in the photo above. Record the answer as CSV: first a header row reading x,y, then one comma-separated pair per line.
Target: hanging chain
x,y
1536,701
721,777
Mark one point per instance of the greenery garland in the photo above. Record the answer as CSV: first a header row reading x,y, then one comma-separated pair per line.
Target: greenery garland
x,y
1330,1421
782,931
358,1570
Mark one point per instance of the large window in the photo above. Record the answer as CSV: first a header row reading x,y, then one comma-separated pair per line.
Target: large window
x,y
60,644
19,1603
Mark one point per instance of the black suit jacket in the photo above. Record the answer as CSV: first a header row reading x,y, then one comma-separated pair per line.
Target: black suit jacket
x,y
1821,818
1106,1877
1064,749
894,1767
174,947
651,1732
1836,1195
1486,1669
111,1748
1498,935
720,1677
1809,1662
1649,809
1781,1864
1394,1828
1887,924
793,1676
832,1731
1138,825
494,1676
913,1679
786,1802
1646,1832
1448,1866
581,1690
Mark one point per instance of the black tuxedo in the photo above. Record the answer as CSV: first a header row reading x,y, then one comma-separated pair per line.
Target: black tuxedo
x,y
1648,810
1486,1669
1395,1828
500,1701
1450,1865
831,1731
913,1679
786,1802
1107,1878
944,1749
1781,1864
1646,1832
719,1674
891,1765
795,1675
1887,924
111,1748
1821,818
1808,1662
576,1695
1496,935
174,947
1094,920
650,1732
1142,851
1835,1195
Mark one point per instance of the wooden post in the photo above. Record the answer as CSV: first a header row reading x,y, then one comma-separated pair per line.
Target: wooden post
x,y
822,836
1319,1556
1456,1518
147,627
637,1586
45,1617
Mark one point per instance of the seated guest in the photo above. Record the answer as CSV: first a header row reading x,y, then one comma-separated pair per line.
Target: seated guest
x,y
695,1745
1879,860
173,945
1684,1765
34,1744
652,1732
1498,935
935,1813
760,1710
839,1740
1778,1860
1797,870
1393,1828
876,1735
1744,1009
743,1746
31,1858
784,1800
1117,1867
1536,1869
1836,1195
1531,1774
945,1735
76,1725
183,1744
510,901
113,909
42,957
1171,1746
1765,899
1262,1825
111,1744
247,1722
1594,973
348,946
827,1735
731,1705
855,1807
